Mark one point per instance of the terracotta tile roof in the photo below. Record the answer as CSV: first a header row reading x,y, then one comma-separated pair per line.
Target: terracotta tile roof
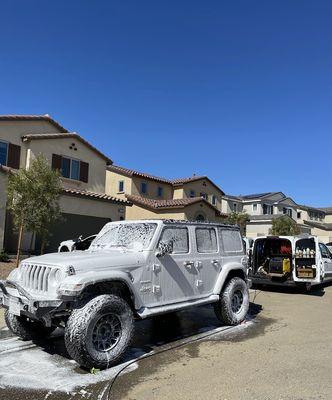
x,y
193,178
131,172
44,117
93,195
73,135
170,203
174,182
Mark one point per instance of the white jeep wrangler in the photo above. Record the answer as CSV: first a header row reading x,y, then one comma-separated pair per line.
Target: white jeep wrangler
x,y
133,269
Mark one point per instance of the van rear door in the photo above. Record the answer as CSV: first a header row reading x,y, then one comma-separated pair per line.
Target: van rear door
x,y
306,260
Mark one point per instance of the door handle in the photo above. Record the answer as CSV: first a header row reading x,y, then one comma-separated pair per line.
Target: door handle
x,y
188,263
214,261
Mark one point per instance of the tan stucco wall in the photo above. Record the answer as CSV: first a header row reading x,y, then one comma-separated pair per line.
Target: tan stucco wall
x,y
192,211
93,208
97,165
328,218
3,199
12,131
227,206
255,230
152,188
112,184
323,236
136,212
203,186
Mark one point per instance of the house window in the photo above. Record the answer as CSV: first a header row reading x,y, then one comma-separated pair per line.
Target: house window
x,y
287,211
204,195
234,207
3,153
121,187
192,193
298,214
267,209
160,191
214,200
70,168
144,187
254,207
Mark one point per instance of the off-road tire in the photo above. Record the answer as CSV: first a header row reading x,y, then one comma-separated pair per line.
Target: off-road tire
x,y
223,308
27,329
80,326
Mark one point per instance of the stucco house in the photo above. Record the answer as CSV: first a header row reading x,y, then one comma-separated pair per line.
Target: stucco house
x,y
193,198
84,203
319,220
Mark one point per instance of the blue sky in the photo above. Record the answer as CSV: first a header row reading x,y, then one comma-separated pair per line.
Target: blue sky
x,y
238,90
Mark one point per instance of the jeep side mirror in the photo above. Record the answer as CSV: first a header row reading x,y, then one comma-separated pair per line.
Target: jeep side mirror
x,y
164,248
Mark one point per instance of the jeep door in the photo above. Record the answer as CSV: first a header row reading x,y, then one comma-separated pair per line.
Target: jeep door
x,y
175,273
208,257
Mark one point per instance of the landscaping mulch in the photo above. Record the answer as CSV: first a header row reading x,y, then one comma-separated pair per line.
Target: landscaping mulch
x,y
6,268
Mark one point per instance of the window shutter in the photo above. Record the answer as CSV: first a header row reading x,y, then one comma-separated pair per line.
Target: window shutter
x,y
84,172
14,155
56,162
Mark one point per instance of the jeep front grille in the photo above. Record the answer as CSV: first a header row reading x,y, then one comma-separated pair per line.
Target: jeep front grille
x,y
37,277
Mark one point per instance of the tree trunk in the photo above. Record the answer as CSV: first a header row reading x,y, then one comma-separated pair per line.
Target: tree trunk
x,y
20,236
42,247
31,242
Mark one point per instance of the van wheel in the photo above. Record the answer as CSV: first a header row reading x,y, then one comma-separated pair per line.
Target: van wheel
x,y
27,329
98,333
233,305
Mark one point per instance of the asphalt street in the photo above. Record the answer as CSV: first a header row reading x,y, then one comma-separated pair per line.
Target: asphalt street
x,y
283,351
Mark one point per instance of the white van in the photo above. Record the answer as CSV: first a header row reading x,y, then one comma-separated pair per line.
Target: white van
x,y
290,260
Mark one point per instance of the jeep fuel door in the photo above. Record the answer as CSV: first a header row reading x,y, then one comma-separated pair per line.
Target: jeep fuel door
x,y
174,273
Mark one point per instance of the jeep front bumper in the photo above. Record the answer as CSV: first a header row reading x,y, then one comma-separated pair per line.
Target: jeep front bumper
x,y
19,302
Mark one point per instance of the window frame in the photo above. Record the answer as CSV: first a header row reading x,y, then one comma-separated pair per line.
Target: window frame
x,y
176,227
254,207
7,151
192,193
322,245
119,184
146,187
160,191
214,200
230,252
217,242
70,168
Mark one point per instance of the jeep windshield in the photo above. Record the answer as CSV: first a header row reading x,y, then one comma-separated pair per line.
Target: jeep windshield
x,y
136,236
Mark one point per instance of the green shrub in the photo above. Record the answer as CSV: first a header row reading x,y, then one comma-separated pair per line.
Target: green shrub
x,y
4,256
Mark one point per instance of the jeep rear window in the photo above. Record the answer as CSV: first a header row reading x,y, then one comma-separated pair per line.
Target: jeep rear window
x,y
206,240
179,237
231,240
130,236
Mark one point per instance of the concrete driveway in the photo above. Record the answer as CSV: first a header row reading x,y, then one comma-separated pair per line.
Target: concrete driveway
x,y
282,352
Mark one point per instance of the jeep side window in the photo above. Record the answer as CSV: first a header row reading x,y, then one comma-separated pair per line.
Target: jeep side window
x,y
206,240
231,241
180,238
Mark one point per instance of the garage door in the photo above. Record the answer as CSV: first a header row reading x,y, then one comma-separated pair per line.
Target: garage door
x,y
72,227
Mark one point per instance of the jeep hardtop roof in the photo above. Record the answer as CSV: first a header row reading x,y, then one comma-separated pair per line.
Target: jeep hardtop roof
x,y
177,222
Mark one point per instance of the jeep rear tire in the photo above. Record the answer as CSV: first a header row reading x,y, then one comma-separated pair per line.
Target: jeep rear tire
x,y
233,305
98,333
25,328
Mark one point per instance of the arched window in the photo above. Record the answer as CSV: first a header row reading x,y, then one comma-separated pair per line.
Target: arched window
x,y
200,217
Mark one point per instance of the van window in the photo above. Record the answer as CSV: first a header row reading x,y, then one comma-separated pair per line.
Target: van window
x,y
180,238
231,240
206,240
324,251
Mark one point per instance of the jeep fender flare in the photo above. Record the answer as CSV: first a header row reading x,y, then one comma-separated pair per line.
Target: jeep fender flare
x,y
92,278
233,268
